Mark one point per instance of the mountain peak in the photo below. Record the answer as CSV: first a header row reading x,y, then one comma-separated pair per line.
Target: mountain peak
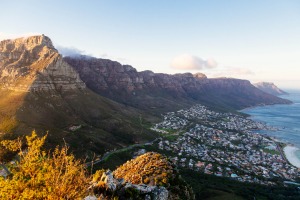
x,y
270,88
32,63
200,75
37,40
26,43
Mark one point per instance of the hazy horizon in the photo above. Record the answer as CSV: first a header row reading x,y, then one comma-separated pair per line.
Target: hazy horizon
x,y
254,40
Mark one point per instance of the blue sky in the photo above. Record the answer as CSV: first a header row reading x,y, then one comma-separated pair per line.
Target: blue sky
x,y
256,39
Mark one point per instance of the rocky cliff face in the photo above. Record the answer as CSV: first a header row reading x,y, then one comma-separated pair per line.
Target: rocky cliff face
x,y
147,89
33,64
269,88
105,76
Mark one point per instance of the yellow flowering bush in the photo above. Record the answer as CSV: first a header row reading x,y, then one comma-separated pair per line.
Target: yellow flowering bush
x,y
40,175
150,168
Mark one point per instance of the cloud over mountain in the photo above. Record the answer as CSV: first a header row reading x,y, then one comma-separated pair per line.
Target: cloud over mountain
x,y
5,36
190,62
235,72
69,51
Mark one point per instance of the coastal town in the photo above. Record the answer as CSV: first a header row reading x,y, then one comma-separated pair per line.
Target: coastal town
x,y
223,144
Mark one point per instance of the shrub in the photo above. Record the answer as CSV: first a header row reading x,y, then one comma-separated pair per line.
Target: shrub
x,y
150,168
40,175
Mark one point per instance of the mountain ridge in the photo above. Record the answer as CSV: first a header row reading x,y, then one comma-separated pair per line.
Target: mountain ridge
x,y
109,104
125,84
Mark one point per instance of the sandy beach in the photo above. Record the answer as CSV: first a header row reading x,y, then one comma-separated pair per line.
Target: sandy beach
x,y
289,152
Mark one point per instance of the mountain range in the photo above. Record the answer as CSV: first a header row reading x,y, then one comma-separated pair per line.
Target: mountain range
x,y
97,104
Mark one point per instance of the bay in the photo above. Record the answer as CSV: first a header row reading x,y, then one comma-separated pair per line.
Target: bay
x,y
286,118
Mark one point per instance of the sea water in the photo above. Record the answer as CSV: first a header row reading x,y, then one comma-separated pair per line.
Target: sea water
x,y
286,118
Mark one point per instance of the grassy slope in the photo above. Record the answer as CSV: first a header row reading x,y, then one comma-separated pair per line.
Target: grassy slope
x,y
105,124
9,104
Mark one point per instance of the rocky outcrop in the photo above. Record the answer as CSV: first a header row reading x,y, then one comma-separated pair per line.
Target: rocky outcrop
x,y
269,88
109,187
147,89
33,64
150,168
149,176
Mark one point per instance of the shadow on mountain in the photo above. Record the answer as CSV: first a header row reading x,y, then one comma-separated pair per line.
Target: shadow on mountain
x,y
87,122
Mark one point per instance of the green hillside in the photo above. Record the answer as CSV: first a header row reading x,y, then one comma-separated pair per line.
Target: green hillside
x,y
88,123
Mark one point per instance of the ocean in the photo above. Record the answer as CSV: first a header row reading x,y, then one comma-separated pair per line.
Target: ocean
x,y
284,117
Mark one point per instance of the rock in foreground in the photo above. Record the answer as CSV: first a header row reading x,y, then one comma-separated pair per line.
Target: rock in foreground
x,y
150,176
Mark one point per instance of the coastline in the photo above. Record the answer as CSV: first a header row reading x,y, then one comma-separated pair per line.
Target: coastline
x,y
265,105
290,154
282,96
291,148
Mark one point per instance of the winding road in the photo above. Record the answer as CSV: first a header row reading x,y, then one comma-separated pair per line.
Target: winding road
x,y
107,154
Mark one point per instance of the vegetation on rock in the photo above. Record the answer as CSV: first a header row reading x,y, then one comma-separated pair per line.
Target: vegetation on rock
x,y
150,168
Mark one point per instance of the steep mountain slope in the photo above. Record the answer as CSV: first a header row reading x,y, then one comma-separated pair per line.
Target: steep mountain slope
x,y
41,91
33,64
269,88
156,92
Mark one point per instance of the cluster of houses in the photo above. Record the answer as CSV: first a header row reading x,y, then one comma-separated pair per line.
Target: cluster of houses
x,y
224,144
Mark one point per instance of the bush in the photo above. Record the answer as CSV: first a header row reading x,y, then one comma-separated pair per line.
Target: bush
x,y
150,168
40,175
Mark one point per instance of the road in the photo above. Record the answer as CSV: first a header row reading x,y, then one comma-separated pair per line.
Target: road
x,y
107,154
281,152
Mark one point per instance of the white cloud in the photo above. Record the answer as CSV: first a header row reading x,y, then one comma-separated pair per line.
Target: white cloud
x,y
241,71
103,55
69,51
74,52
5,36
211,63
111,57
235,72
190,62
